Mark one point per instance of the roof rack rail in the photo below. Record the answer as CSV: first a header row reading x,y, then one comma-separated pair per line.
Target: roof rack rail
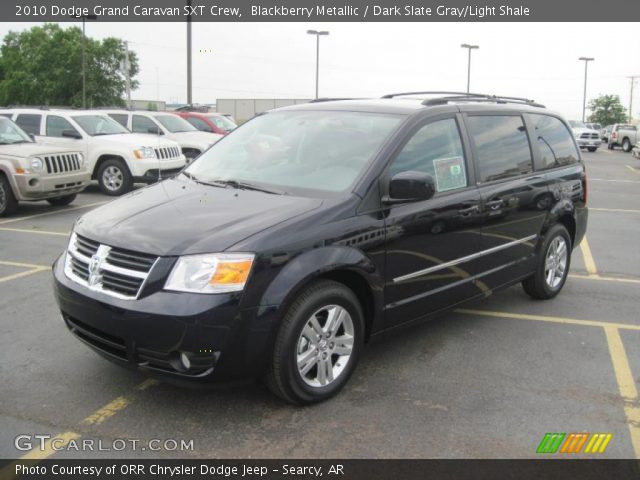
x,y
465,96
320,100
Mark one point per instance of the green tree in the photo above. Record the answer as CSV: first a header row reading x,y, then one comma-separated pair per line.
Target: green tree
x,y
607,110
43,66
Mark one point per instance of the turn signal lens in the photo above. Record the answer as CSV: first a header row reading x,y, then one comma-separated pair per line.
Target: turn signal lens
x,y
231,272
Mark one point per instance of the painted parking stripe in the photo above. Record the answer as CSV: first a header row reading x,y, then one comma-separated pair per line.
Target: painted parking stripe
x,y
633,169
31,269
626,386
52,212
589,262
612,180
38,232
604,279
619,210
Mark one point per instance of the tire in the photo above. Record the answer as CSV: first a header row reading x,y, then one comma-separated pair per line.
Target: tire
x,y
626,145
592,149
543,284
610,146
114,178
62,201
8,202
294,371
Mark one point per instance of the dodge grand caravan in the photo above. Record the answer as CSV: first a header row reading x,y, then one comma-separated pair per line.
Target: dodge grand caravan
x,y
311,229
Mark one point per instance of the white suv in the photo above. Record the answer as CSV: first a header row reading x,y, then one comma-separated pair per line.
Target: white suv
x,y
116,157
192,141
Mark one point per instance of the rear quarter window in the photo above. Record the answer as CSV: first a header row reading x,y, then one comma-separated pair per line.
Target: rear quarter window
x,y
554,140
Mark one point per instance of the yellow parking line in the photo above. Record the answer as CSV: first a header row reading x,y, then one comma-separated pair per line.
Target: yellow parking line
x,y
39,232
23,265
15,276
605,279
626,385
109,410
544,318
52,212
620,210
61,440
589,263
634,170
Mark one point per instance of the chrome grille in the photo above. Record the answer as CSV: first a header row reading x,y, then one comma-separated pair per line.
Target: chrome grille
x,y
167,152
115,271
589,135
62,163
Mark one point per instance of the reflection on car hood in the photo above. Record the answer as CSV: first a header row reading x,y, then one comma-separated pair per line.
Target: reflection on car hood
x,y
201,139
579,131
23,150
136,140
179,216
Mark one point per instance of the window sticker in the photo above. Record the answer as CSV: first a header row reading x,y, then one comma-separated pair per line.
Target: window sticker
x,y
450,173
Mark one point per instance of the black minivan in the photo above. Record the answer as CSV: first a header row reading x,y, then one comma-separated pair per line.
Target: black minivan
x,y
311,229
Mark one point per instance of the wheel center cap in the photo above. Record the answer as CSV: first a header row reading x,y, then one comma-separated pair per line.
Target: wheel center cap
x,y
322,344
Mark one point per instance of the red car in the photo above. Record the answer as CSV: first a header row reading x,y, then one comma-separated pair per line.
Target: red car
x,y
208,122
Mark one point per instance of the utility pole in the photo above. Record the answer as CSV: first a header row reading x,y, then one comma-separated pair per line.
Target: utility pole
x,y
84,57
586,61
633,81
127,75
469,47
317,34
189,85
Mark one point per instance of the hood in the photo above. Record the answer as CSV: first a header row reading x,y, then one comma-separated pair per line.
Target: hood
x,y
201,140
136,140
580,131
179,216
23,150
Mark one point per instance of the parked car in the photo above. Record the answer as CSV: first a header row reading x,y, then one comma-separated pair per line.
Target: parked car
x,y
116,157
314,228
191,141
605,132
32,172
636,150
623,135
209,122
585,137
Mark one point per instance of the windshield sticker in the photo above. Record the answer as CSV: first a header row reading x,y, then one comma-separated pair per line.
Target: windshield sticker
x,y
450,173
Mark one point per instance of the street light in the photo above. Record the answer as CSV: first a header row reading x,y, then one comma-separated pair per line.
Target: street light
x,y
317,33
469,47
84,62
586,61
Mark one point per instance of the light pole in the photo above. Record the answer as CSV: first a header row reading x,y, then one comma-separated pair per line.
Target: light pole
x,y
586,61
189,86
317,33
469,48
633,81
84,61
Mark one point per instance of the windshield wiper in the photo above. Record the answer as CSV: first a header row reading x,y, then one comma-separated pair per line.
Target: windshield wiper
x,y
249,186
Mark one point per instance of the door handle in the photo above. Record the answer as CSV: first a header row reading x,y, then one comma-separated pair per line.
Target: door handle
x,y
469,210
495,204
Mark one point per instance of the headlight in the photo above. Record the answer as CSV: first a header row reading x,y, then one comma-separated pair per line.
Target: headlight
x,y
144,152
212,273
36,164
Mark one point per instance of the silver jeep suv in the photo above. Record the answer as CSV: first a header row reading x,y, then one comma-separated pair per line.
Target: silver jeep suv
x,y
31,172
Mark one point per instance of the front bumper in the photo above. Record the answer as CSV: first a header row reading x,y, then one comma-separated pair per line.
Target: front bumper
x,y
222,341
43,186
588,142
152,176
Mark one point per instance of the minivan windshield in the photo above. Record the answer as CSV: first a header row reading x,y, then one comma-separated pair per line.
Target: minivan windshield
x,y
10,133
292,150
175,124
95,125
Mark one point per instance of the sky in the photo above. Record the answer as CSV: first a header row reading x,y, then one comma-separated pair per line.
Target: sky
x,y
277,60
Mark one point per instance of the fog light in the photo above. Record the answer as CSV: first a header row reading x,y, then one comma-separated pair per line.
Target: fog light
x,y
186,363
33,182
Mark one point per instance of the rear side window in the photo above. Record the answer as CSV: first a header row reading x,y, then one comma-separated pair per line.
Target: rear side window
x,y
121,118
502,146
554,141
435,149
29,122
57,125
141,124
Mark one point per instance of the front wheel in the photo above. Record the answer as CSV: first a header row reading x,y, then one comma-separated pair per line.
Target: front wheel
x,y
626,145
592,149
114,178
552,265
8,202
318,344
610,146
62,201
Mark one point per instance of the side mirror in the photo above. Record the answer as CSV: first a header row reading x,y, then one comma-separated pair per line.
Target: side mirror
x,y
155,131
32,137
410,187
71,134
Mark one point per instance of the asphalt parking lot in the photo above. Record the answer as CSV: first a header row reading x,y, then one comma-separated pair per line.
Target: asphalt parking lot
x,y
485,382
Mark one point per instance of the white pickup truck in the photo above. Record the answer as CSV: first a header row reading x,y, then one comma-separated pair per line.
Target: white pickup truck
x,y
116,157
192,141
585,137
623,135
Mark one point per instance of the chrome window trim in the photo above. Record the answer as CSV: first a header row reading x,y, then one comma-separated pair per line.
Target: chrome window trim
x,y
460,260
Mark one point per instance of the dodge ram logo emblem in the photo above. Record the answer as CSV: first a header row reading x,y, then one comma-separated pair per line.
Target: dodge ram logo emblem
x,y
95,265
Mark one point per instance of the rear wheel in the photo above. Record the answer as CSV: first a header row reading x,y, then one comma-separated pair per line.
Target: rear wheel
x,y
553,265
114,178
626,145
610,146
8,202
62,201
318,344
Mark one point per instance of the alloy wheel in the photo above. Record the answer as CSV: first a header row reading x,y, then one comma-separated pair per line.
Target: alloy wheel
x,y
556,262
112,178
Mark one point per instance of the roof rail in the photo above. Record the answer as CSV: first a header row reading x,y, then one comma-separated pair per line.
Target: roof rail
x,y
320,100
465,96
